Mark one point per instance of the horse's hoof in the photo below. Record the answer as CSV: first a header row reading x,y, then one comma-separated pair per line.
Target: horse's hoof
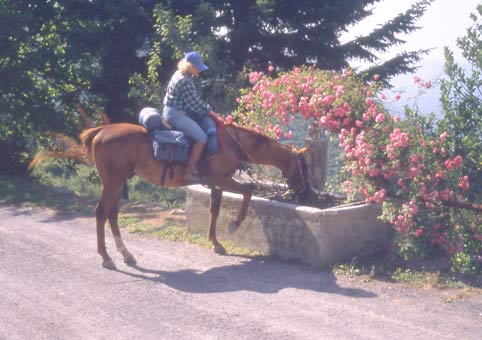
x,y
232,227
109,264
219,249
129,259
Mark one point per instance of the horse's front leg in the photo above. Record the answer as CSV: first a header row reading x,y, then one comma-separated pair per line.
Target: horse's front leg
x,y
243,210
245,189
231,185
215,206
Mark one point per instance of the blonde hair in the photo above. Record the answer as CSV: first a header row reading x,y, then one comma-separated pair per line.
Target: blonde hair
x,y
185,67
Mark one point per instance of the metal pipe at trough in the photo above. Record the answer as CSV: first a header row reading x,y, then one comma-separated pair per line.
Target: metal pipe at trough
x,y
317,237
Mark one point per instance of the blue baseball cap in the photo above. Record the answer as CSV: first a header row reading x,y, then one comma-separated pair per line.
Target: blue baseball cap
x,y
196,59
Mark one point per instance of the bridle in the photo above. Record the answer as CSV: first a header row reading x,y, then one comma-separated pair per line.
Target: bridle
x,y
302,186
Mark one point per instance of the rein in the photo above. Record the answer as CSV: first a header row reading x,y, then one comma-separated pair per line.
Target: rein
x,y
241,148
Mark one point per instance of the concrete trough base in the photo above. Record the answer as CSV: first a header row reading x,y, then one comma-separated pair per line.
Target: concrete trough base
x,y
317,237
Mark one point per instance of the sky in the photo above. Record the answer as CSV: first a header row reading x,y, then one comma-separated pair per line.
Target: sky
x,y
443,22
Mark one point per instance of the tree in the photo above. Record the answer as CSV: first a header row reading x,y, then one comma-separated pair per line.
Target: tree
x,y
240,35
293,33
461,99
40,77
58,53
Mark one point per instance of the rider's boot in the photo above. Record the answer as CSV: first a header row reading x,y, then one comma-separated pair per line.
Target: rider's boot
x,y
192,174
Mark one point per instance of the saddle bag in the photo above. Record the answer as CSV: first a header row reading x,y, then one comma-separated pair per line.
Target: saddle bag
x,y
170,146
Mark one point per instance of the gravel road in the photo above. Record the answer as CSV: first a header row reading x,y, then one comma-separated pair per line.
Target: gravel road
x,y
52,286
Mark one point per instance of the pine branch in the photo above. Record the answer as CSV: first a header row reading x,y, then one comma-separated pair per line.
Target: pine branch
x,y
383,38
400,64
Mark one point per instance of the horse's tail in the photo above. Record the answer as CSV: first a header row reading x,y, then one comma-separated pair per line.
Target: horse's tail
x,y
68,148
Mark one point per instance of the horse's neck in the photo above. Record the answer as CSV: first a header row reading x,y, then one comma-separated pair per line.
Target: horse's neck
x,y
277,155
271,153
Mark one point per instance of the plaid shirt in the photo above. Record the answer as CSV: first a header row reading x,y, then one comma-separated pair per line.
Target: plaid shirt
x,y
181,94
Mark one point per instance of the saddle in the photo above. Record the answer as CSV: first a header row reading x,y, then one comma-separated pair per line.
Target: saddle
x,y
172,146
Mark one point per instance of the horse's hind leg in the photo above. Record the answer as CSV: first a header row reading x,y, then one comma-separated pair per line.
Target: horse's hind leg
x,y
108,201
100,218
119,243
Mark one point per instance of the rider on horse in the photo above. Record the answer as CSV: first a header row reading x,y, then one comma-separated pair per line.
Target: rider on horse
x,y
183,108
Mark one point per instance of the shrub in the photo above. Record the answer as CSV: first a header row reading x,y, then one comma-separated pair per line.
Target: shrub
x,y
408,165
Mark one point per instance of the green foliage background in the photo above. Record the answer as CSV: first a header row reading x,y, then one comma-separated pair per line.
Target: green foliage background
x,y
115,57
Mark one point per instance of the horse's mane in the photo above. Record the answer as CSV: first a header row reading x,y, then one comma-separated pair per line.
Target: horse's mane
x,y
260,139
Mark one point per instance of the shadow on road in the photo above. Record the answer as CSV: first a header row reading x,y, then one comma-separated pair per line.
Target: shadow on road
x,y
250,275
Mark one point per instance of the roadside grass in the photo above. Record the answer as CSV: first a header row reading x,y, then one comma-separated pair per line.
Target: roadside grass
x,y
83,181
75,189
420,274
68,188
173,230
28,192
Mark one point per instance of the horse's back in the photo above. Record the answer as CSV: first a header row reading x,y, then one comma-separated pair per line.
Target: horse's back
x,y
121,132
122,150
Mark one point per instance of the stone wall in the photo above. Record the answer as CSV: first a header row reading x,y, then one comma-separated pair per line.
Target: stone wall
x,y
291,232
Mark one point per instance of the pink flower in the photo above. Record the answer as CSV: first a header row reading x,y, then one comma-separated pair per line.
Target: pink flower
x,y
412,173
348,187
419,232
399,139
458,161
270,68
464,183
376,77
254,77
380,118
398,96
449,164
374,172
444,136
328,100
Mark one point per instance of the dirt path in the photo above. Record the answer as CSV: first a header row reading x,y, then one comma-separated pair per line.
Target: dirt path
x,y
52,286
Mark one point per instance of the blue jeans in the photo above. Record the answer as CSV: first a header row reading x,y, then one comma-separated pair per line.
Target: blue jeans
x,y
181,121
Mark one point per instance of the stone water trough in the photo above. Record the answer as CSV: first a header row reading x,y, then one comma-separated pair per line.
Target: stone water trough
x,y
317,237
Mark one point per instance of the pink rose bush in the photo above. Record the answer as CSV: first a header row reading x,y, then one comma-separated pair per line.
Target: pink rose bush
x,y
401,163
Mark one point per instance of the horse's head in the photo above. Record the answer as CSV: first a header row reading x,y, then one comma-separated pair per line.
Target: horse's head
x,y
298,178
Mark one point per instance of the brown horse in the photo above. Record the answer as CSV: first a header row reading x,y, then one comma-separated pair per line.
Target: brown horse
x,y
120,151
